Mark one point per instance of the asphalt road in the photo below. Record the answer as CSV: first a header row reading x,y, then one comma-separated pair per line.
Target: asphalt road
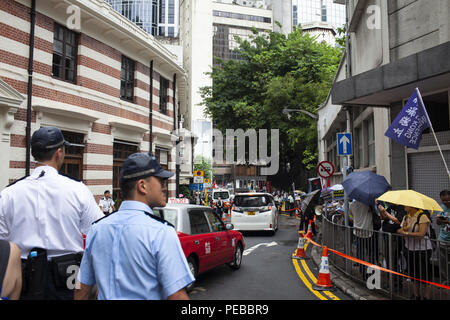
x,y
267,271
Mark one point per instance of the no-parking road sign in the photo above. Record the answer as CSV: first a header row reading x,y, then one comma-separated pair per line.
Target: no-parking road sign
x,y
325,169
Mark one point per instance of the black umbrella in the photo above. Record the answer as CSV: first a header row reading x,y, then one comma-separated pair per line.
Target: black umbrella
x,y
310,202
365,186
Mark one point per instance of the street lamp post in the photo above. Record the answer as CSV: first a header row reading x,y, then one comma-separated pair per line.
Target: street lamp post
x,y
312,115
286,111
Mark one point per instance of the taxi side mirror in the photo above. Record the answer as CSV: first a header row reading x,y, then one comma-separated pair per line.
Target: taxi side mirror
x,y
229,226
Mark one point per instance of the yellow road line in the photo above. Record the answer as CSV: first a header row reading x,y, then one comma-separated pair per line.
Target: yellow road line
x,y
314,280
305,281
312,277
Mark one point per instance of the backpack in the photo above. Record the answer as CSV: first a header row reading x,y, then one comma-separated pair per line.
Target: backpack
x,y
431,233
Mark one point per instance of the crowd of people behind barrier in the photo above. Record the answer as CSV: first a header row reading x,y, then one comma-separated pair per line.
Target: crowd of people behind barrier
x,y
406,239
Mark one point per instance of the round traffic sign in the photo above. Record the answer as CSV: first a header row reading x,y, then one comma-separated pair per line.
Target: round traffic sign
x,y
325,169
198,173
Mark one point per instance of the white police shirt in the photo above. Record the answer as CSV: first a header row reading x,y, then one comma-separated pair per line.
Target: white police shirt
x,y
49,211
106,204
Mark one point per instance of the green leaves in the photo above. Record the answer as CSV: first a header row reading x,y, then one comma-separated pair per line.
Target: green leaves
x,y
203,164
276,72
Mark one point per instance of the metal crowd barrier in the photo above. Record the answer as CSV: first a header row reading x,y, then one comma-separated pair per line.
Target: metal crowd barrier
x,y
391,252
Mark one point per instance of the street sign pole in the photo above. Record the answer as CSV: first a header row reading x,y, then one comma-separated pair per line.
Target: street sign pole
x,y
345,150
346,206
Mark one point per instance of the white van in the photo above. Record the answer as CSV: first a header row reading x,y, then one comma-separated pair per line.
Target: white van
x,y
224,194
254,211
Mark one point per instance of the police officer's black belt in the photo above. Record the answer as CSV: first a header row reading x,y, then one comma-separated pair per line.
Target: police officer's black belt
x,y
37,271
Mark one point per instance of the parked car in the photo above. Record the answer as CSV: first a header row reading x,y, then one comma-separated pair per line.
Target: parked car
x,y
206,241
254,211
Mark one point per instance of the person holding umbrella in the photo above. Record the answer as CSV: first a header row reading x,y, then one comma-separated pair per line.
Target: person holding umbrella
x,y
415,227
419,248
364,188
366,244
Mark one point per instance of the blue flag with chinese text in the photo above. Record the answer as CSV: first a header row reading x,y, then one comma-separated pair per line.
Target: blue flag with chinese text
x,y
407,128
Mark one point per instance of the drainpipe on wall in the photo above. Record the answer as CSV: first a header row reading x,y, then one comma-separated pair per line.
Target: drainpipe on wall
x,y
347,42
347,160
30,87
151,108
177,161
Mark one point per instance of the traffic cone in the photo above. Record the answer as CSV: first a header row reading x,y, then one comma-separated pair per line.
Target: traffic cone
x,y
300,252
309,234
323,281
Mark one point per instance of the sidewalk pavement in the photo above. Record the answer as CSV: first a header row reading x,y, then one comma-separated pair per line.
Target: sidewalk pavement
x,y
352,288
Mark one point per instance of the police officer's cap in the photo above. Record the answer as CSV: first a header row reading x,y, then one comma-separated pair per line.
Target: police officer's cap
x,y
48,138
140,166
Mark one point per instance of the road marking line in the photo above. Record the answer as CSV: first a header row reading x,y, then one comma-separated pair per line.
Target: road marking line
x,y
250,250
314,280
305,281
312,277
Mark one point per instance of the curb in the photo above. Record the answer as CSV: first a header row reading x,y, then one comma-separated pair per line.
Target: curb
x,y
350,287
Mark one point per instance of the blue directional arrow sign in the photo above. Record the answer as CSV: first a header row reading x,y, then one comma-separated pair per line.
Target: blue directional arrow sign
x,y
344,141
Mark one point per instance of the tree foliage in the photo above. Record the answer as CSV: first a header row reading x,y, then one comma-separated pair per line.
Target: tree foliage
x,y
276,72
203,164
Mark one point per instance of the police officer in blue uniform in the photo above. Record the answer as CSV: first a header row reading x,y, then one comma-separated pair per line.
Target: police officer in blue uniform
x,y
45,215
133,254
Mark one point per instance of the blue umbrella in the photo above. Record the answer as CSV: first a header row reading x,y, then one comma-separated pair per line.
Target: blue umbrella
x,y
365,186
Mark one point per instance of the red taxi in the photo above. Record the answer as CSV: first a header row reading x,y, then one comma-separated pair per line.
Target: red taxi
x,y
206,241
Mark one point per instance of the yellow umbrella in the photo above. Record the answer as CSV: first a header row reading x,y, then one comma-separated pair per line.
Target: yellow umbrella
x,y
411,198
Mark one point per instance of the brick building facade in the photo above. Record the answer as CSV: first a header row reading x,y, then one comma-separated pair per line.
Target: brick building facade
x,y
93,83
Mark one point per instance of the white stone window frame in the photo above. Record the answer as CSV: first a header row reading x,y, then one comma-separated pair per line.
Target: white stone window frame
x,y
10,101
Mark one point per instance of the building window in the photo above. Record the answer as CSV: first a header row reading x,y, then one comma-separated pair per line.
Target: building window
x,y
437,106
240,16
154,17
121,151
295,16
65,44
171,32
324,13
163,95
126,8
162,155
171,15
73,161
359,157
162,11
127,79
